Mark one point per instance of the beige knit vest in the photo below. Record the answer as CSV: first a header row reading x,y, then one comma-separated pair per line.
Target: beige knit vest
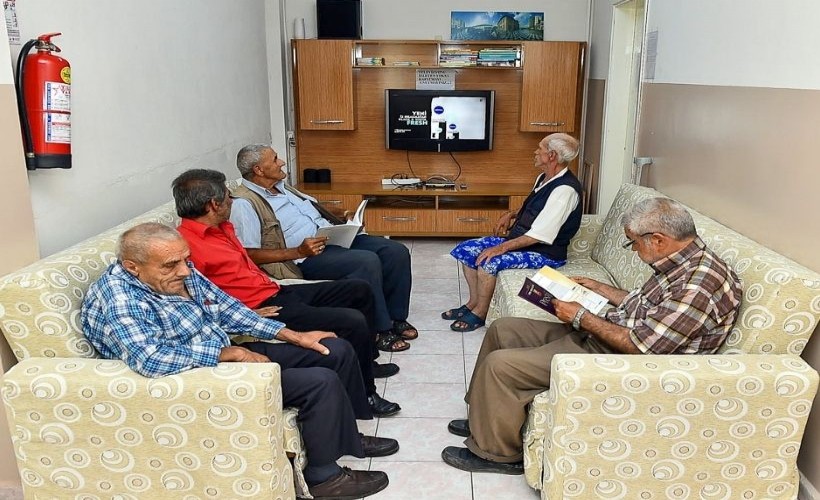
x,y
272,236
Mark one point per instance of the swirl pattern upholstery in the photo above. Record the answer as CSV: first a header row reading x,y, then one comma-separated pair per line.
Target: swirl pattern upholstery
x,y
779,313
85,427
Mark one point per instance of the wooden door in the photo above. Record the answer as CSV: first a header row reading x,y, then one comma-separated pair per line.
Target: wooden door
x,y
324,78
551,89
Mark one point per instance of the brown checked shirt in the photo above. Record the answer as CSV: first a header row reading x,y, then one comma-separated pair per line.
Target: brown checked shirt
x,y
687,307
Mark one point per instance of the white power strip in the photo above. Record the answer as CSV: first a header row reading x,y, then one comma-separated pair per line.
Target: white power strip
x,y
400,182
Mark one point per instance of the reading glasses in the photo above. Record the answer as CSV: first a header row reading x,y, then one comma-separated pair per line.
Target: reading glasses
x,y
629,243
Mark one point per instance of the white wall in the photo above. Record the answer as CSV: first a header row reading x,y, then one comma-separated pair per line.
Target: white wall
x,y
599,39
746,43
427,19
157,87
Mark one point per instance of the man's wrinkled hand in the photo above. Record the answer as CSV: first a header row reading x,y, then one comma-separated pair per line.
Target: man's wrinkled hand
x,y
268,312
565,311
586,282
310,340
312,246
238,354
503,225
488,254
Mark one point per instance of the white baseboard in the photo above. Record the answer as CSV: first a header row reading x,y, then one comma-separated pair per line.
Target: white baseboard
x,y
806,491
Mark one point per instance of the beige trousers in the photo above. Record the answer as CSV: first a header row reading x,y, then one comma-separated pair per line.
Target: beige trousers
x,y
513,366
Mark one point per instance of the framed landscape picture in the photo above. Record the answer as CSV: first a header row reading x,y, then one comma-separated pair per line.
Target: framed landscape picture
x,y
496,25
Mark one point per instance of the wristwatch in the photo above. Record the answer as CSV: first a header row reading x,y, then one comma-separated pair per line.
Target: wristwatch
x,y
576,321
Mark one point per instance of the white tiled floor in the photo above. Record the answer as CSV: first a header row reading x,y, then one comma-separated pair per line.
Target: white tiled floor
x,y
430,388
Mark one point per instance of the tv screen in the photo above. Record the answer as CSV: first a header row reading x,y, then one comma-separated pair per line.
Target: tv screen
x,y
439,120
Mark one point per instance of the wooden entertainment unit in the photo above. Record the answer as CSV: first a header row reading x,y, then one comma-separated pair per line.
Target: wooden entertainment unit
x,y
340,125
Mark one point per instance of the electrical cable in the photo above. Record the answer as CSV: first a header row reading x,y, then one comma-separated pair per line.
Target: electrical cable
x,y
459,167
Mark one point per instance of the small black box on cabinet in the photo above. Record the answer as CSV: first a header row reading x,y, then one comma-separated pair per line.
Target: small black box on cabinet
x,y
339,18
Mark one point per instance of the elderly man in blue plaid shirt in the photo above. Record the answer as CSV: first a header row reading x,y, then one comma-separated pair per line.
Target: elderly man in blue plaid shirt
x,y
154,311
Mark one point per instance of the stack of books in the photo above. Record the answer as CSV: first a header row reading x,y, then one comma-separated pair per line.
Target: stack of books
x,y
405,63
369,61
457,57
499,57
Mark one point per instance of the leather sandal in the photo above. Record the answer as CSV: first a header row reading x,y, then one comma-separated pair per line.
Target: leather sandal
x,y
467,323
403,327
387,342
455,312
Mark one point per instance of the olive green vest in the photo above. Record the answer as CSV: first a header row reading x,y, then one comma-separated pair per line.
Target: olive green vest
x,y
272,236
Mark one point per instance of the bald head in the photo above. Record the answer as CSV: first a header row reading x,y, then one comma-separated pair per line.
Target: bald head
x,y
135,243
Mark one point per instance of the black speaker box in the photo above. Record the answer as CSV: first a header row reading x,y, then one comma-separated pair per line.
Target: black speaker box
x,y
339,18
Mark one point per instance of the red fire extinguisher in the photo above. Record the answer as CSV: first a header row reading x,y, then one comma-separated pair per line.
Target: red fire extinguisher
x,y
44,104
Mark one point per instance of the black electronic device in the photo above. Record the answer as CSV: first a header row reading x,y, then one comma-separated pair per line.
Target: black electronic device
x,y
339,18
439,120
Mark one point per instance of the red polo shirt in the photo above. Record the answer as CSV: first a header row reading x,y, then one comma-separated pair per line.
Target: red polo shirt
x,y
217,253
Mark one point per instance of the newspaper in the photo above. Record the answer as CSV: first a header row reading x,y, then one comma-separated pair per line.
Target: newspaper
x,y
548,284
343,234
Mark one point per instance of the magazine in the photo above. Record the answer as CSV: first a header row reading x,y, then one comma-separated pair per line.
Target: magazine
x,y
548,284
343,234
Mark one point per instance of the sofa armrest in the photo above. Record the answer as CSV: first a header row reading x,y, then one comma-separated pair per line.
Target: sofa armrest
x,y
581,245
94,427
673,426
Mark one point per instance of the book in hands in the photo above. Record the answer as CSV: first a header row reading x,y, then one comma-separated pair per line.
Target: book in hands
x,y
548,284
343,234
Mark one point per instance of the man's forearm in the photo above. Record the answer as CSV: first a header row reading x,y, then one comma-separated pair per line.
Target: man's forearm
x,y
266,256
617,337
520,242
612,294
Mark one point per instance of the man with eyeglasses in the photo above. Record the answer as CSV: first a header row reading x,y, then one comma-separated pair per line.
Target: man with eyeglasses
x,y
688,306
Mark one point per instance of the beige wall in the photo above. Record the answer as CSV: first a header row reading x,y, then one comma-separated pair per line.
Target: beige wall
x,y
747,158
593,136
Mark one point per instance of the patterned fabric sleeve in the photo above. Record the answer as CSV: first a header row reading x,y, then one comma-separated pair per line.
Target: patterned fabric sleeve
x,y
133,333
679,324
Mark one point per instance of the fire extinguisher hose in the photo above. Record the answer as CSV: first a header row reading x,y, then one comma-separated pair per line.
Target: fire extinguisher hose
x,y
21,104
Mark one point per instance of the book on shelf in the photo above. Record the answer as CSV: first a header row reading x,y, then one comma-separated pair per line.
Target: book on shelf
x,y
548,284
405,63
369,61
343,234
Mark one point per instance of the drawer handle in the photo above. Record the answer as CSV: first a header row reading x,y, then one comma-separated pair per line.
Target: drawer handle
x,y
326,122
547,124
398,219
473,219
331,202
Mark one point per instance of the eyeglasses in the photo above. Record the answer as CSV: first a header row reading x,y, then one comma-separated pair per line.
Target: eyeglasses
x,y
629,243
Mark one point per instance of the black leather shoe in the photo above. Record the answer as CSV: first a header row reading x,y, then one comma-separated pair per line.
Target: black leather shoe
x,y
350,485
464,459
385,370
382,407
378,447
459,427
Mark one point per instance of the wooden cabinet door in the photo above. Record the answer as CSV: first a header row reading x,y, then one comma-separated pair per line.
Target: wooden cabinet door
x,y
324,77
550,92
338,202
467,222
399,221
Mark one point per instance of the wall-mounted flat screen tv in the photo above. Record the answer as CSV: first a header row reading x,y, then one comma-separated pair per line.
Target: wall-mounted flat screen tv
x,y
439,120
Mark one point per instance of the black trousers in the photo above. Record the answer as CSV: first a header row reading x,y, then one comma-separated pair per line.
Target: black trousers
x,y
328,392
383,263
344,307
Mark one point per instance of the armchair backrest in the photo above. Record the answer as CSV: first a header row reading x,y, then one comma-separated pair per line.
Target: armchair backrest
x,y
40,304
781,299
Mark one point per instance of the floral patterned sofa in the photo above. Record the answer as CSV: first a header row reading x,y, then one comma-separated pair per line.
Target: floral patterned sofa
x,y
659,427
84,427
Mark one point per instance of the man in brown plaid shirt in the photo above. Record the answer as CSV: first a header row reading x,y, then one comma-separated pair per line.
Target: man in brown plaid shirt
x,y
688,306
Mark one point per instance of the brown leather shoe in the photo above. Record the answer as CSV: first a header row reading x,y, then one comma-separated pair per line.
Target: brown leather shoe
x,y
350,485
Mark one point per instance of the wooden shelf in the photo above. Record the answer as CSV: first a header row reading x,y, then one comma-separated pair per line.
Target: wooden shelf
x,y
470,211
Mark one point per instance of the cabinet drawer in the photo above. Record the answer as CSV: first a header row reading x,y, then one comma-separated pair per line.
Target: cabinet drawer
x,y
339,201
399,220
477,222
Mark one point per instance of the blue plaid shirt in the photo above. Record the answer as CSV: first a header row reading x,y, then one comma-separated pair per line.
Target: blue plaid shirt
x,y
160,335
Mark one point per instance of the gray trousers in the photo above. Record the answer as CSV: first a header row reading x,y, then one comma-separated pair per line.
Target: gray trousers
x,y
513,366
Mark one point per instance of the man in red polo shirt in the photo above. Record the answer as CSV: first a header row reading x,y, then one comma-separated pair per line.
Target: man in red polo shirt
x,y
344,307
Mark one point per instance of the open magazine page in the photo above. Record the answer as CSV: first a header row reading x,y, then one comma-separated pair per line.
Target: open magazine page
x,y
358,217
548,283
341,235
